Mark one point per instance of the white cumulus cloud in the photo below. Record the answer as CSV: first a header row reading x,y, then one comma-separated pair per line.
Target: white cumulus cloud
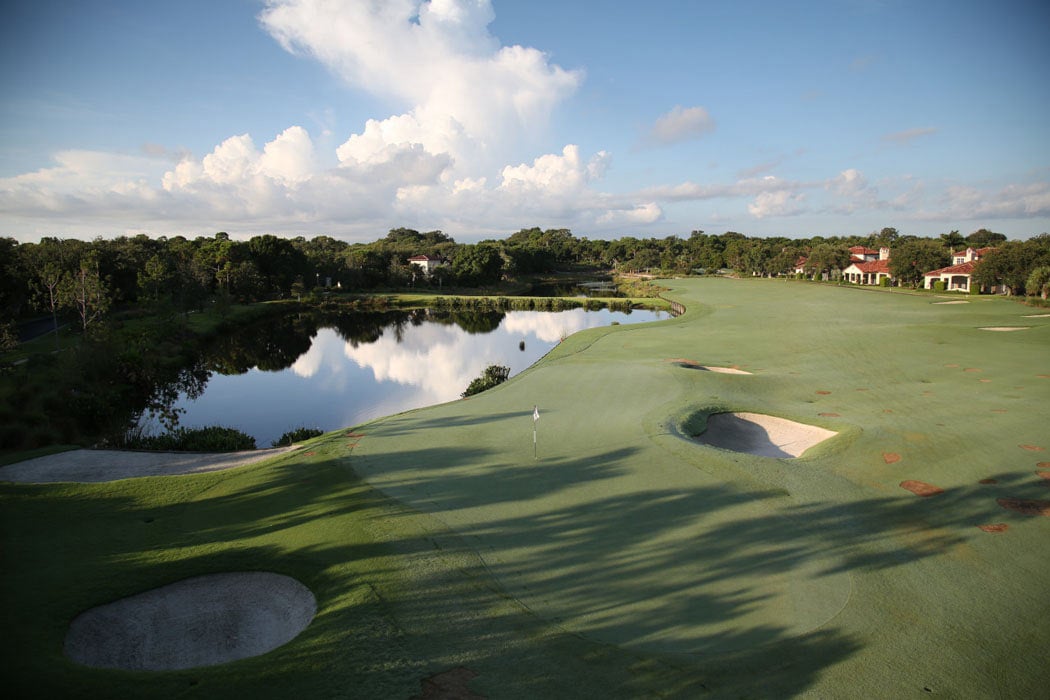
x,y
466,95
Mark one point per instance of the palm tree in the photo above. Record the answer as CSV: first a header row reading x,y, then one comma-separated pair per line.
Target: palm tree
x,y
953,240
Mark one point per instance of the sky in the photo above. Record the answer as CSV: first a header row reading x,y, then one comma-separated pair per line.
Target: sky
x,y
481,117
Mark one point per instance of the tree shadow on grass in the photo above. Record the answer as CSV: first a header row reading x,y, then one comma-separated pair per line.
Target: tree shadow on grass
x,y
401,597
410,423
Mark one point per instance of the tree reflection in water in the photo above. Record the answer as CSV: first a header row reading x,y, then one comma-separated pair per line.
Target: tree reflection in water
x,y
328,371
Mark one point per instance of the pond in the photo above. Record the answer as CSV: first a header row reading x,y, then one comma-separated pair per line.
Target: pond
x,y
334,372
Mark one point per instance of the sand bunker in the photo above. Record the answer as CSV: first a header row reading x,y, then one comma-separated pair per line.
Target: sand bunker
x,y
958,301
201,621
690,364
1005,328
1038,316
91,466
761,435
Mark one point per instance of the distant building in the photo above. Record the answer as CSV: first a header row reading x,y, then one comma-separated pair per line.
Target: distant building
x,y
868,266
427,263
957,277
859,253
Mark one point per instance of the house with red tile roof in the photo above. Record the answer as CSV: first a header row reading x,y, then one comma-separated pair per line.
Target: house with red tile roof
x,y
859,253
957,276
868,266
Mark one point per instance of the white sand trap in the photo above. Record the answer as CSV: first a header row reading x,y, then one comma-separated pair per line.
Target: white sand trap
x,y
951,302
762,435
91,466
1005,328
1038,316
201,621
690,364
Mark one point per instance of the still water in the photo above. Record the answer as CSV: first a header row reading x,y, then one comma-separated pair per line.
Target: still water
x,y
333,376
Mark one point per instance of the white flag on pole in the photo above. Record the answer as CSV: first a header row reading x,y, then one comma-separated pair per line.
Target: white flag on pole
x,y
535,413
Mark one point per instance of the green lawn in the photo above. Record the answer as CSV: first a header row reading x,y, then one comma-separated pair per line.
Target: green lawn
x,y
626,560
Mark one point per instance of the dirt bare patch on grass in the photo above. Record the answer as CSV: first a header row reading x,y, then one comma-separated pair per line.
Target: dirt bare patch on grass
x,y
1026,506
201,621
449,685
761,435
890,457
921,488
994,527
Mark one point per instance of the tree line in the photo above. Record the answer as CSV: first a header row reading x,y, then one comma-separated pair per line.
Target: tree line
x,y
86,278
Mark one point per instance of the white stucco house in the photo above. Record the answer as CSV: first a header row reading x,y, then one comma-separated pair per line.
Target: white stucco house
x,y
868,266
427,263
957,276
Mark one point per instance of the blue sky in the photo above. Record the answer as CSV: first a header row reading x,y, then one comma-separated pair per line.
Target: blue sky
x,y
480,117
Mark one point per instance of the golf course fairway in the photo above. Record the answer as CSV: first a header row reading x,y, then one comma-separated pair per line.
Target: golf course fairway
x,y
603,549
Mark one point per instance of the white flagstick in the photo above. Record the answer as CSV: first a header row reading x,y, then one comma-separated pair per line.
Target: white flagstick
x,y
535,418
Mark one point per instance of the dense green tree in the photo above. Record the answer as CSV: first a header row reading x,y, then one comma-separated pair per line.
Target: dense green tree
x,y
325,256
1039,282
15,279
912,259
826,258
887,237
154,280
983,238
278,261
1012,263
706,251
121,260
219,256
477,265
244,281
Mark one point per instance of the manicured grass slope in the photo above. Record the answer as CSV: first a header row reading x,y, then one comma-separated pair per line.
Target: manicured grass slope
x,y
626,559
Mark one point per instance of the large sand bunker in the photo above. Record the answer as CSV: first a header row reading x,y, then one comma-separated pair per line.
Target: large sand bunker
x,y
200,621
92,466
762,435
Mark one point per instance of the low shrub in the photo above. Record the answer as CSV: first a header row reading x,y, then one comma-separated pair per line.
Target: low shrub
x,y
494,375
297,435
208,439
938,286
